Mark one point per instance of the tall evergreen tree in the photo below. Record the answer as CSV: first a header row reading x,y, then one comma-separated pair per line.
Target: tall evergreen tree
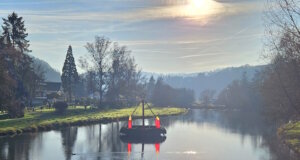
x,y
14,33
16,63
69,75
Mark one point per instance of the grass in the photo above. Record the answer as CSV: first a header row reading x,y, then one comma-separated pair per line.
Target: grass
x,y
48,119
290,134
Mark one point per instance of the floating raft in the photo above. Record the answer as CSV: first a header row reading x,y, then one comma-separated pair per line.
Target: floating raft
x,y
142,133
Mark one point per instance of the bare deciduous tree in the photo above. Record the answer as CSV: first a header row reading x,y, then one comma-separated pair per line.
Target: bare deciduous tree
x,y
281,88
98,52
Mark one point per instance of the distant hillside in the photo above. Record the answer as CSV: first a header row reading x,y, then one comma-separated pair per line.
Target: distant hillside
x,y
216,80
51,75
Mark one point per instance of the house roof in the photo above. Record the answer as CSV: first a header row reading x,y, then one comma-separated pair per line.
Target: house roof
x,y
53,86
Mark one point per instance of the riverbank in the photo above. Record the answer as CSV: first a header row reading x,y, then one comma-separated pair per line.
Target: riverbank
x,y
290,135
48,119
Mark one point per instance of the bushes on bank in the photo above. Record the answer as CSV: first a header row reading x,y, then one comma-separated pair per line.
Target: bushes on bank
x,y
60,107
16,110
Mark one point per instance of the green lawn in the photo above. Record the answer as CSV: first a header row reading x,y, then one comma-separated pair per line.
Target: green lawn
x,y
290,134
47,119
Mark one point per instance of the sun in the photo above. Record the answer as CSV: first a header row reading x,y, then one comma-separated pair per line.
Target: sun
x,y
198,8
197,3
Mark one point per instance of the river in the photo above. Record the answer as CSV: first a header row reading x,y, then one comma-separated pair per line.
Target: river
x,y
199,134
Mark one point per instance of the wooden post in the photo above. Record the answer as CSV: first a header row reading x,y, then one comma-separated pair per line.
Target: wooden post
x,y
143,113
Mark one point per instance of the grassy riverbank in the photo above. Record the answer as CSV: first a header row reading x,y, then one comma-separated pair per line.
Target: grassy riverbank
x,y
290,135
48,119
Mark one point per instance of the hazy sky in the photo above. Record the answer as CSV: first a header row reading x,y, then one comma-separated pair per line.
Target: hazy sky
x,y
166,36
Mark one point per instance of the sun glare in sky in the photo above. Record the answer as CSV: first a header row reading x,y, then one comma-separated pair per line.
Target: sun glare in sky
x,y
198,3
196,8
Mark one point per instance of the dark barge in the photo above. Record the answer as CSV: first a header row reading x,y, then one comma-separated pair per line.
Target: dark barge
x,y
141,133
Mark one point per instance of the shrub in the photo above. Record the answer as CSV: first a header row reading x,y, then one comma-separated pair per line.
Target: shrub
x,y
4,116
60,107
16,110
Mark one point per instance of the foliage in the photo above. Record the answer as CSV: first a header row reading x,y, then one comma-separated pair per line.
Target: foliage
x,y
275,91
207,96
60,107
36,77
94,64
14,33
69,76
165,95
242,94
123,78
280,86
290,134
7,83
19,76
112,73
150,88
16,75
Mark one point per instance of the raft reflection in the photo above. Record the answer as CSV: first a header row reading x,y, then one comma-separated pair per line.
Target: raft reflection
x,y
156,141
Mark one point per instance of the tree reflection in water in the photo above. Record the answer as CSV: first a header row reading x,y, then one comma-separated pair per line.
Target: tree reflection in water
x,y
16,147
102,141
245,124
69,136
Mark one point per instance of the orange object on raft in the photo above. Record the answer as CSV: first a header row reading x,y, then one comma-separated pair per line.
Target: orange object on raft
x,y
129,123
157,122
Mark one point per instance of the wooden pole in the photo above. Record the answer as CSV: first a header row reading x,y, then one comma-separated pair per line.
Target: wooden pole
x,y
143,113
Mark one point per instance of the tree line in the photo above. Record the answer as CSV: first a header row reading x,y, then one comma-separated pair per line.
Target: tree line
x,y
111,77
275,91
162,94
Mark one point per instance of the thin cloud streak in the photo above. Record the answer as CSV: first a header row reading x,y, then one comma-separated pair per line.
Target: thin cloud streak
x,y
200,55
157,32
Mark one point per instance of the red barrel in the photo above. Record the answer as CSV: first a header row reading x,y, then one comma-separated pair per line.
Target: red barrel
x,y
129,123
157,122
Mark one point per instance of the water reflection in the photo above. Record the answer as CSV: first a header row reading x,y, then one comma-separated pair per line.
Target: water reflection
x,y
10,146
129,149
155,141
199,134
69,136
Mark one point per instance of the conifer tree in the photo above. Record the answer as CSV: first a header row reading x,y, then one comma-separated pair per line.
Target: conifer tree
x,y
69,75
16,64
14,33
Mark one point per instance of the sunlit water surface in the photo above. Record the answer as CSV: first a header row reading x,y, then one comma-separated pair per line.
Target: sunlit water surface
x,y
203,135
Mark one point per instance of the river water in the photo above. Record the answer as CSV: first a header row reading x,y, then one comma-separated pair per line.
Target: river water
x,y
199,134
